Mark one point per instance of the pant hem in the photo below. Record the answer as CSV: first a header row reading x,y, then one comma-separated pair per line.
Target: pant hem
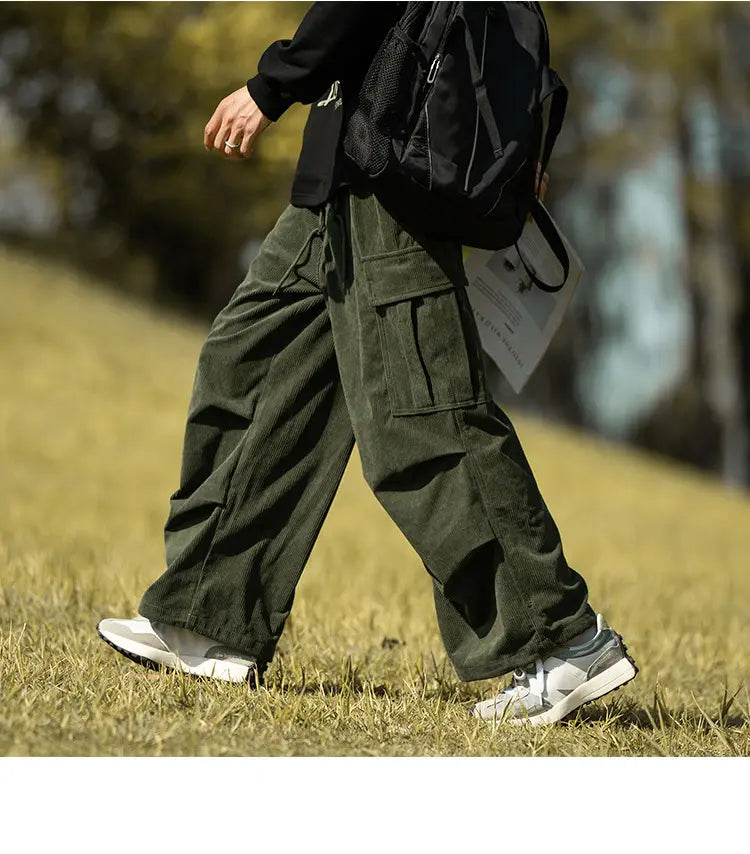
x,y
261,652
469,672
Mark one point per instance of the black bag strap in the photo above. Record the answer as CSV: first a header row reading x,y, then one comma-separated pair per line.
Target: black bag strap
x,y
480,88
552,236
552,87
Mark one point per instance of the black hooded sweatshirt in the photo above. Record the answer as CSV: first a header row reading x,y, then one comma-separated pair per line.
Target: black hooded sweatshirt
x,y
323,65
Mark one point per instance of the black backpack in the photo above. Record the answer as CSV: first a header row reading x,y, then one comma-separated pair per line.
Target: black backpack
x,y
449,120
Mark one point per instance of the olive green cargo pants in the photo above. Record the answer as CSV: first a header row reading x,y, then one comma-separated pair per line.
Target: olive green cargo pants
x,y
348,327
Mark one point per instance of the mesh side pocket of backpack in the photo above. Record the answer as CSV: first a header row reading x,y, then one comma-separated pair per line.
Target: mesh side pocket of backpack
x,y
383,104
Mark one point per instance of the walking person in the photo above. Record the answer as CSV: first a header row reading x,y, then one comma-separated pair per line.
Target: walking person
x,y
349,326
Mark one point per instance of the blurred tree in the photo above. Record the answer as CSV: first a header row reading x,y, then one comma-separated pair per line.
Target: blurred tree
x,y
645,77
117,94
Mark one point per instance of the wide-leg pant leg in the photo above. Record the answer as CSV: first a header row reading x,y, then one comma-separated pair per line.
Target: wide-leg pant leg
x,y
266,443
440,456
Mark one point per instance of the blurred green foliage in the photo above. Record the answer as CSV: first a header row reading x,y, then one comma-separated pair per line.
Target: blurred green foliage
x,y
115,96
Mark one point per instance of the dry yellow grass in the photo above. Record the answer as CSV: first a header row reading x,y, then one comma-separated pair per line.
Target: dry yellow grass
x,y
94,392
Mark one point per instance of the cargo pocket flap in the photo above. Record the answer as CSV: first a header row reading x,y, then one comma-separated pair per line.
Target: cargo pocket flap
x,y
403,276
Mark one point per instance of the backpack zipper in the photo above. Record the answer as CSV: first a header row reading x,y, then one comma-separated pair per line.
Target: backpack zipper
x,y
432,73
435,65
434,68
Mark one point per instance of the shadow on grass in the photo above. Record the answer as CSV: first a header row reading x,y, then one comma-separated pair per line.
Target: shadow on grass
x,y
620,713
356,687
626,714
427,679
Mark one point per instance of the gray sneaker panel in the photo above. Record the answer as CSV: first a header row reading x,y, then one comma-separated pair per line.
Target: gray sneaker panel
x,y
122,630
606,659
530,706
584,659
223,653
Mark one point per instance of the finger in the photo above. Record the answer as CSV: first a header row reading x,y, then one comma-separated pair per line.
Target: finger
x,y
246,148
211,129
232,143
221,135
209,134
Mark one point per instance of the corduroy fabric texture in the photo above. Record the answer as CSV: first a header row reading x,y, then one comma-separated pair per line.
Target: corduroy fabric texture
x,y
349,326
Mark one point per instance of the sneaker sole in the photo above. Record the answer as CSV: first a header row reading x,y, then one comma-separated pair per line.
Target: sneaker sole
x,y
610,680
211,668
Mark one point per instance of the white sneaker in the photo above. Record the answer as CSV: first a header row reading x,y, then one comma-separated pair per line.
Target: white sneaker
x,y
548,690
158,644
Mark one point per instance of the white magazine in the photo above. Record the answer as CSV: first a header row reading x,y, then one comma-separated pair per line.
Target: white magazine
x,y
516,319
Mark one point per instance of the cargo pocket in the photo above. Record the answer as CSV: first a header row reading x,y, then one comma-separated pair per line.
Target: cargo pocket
x,y
427,358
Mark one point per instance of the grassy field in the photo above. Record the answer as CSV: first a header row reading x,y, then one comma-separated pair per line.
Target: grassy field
x,y
94,391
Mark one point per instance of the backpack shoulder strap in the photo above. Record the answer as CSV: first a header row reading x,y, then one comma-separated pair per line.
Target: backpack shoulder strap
x,y
480,88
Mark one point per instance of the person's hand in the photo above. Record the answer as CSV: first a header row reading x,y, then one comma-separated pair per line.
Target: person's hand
x,y
542,191
238,121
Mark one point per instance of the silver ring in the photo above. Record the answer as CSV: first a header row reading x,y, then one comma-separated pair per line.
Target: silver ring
x,y
232,144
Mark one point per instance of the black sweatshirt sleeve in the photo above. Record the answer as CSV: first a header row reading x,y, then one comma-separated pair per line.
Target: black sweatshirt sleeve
x,y
329,45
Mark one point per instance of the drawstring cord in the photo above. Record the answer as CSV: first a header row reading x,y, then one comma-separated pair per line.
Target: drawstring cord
x,y
306,247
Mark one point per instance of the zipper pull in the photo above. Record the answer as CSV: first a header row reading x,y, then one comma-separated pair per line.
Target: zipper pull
x,y
432,74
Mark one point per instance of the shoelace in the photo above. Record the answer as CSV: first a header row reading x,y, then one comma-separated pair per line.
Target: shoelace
x,y
533,674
